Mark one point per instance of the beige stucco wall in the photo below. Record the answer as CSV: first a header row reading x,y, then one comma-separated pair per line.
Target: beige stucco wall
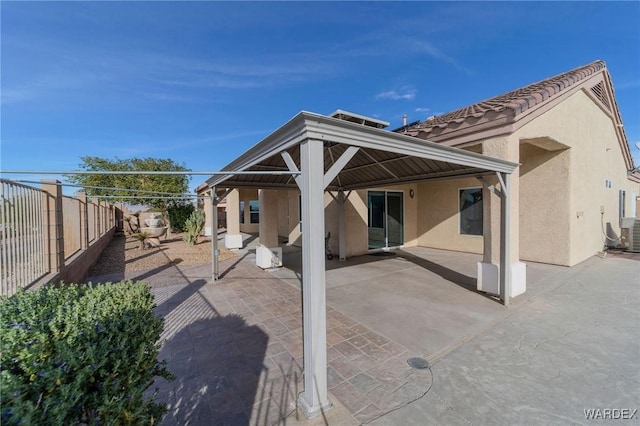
x,y
544,205
593,158
288,217
438,217
356,219
355,212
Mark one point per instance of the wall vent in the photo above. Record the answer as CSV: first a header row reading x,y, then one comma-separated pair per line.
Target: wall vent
x,y
601,94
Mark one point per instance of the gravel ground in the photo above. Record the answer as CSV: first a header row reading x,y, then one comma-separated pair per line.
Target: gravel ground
x,y
124,255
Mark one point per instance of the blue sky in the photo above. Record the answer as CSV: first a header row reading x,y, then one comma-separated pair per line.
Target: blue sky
x,y
200,82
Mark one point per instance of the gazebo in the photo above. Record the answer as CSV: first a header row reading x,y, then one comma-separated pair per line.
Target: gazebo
x,y
316,153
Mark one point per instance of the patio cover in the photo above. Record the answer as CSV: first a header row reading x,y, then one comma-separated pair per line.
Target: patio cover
x,y
320,153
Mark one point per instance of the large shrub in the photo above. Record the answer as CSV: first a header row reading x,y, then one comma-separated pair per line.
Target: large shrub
x,y
80,354
178,215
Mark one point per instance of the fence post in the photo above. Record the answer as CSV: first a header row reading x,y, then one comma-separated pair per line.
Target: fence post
x,y
84,220
96,210
52,203
119,218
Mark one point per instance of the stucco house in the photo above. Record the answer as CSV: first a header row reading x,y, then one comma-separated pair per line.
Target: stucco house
x,y
575,181
577,177
541,174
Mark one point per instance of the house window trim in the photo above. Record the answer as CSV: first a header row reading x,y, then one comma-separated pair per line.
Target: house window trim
x,y
462,188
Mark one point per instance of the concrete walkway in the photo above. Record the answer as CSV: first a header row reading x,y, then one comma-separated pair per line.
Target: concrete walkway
x,y
235,346
571,348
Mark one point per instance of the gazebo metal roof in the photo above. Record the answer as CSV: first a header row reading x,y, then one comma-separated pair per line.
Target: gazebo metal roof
x,y
384,157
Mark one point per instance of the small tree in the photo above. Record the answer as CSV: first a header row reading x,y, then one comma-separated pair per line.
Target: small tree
x,y
178,215
140,185
194,226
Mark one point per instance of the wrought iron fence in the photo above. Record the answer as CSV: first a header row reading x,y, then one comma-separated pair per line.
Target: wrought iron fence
x,y
23,257
45,236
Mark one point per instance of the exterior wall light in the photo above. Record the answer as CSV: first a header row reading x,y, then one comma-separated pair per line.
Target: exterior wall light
x,y
411,193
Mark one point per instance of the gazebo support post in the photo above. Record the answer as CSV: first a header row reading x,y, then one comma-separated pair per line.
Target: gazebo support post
x,y
341,227
505,235
214,234
314,398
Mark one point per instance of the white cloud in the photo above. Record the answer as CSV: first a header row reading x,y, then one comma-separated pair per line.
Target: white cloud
x,y
12,95
423,109
403,94
425,47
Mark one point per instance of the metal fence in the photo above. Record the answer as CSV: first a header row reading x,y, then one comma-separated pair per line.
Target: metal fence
x,y
45,236
23,258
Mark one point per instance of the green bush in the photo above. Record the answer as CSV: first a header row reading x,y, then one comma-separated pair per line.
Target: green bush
x,y
178,215
194,226
80,354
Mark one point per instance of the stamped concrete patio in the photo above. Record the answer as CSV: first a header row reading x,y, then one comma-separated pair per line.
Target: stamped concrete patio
x,y
236,346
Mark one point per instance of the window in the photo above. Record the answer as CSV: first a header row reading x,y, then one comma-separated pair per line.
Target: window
x,y
471,211
241,211
254,211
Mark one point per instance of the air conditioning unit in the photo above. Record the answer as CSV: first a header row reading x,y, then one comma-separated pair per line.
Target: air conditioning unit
x,y
630,233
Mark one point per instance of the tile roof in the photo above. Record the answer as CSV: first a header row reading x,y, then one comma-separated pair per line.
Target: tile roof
x,y
508,105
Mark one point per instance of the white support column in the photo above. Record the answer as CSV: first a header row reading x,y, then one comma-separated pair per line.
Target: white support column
x,y
505,236
314,399
268,252
233,238
208,223
341,229
488,279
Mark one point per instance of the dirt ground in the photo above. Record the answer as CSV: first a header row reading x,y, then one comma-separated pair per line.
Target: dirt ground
x,y
124,255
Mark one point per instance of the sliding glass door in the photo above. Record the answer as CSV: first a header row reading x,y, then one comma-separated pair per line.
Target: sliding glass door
x,y
386,219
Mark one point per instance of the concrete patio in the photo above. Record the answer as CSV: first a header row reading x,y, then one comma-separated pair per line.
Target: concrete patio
x,y
235,346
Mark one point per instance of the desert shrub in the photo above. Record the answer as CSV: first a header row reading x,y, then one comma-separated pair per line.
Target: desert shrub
x,y
178,215
80,354
194,226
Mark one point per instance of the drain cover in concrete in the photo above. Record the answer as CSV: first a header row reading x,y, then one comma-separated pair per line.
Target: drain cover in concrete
x,y
418,363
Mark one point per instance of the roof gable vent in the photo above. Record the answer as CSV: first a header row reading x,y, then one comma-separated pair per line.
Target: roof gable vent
x,y
600,92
